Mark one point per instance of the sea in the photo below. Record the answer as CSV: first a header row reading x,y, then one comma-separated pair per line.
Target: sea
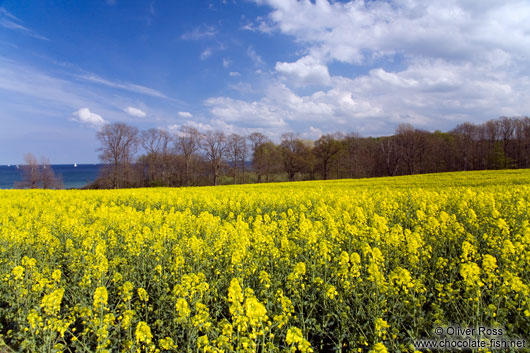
x,y
73,176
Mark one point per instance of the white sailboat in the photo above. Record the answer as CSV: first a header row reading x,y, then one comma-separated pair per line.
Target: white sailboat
x,y
75,165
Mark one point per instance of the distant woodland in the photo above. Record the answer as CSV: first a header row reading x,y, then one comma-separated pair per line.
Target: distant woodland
x,y
190,157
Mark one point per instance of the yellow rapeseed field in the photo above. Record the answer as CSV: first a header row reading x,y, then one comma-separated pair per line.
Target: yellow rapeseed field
x,y
344,266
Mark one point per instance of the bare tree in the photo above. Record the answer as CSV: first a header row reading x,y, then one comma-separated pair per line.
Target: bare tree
x,y
412,145
256,139
49,179
155,142
325,150
466,136
151,141
35,175
522,138
31,173
295,155
165,158
119,144
491,131
187,142
214,145
487,146
271,161
391,154
257,142
352,146
442,153
237,152
506,128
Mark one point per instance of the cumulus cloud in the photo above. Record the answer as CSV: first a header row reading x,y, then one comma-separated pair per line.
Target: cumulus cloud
x,y
135,112
185,114
428,93
354,31
85,116
234,74
305,71
312,133
433,64
175,128
281,108
246,114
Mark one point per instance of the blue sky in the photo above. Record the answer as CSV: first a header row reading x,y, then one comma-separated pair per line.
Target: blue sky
x,y
310,67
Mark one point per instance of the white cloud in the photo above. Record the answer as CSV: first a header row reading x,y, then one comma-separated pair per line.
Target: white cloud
x,y
281,108
200,126
185,114
131,87
392,78
258,61
175,128
57,96
135,112
430,94
206,53
55,93
9,21
85,116
234,74
312,133
201,32
305,71
433,64
354,31
243,88
260,24
226,62
246,114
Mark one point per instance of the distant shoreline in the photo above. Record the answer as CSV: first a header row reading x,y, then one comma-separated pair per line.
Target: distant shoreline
x,y
74,177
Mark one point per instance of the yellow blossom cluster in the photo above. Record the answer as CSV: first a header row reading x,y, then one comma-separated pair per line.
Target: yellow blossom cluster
x,y
349,265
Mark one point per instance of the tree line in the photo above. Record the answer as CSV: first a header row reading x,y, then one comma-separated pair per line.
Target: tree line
x,y
190,157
